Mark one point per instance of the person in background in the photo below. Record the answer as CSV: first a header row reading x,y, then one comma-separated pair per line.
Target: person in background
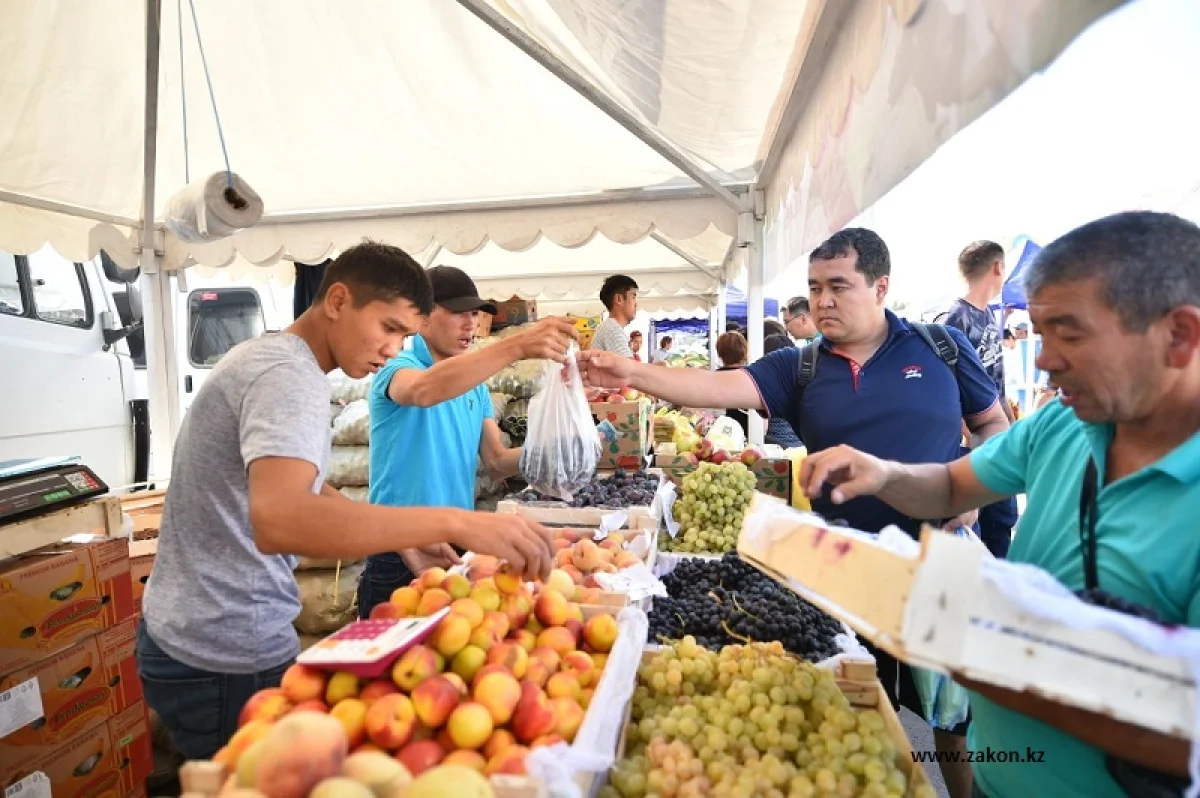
x,y
732,326
663,351
982,267
779,430
733,349
1014,371
878,384
619,294
773,327
248,497
1117,305
798,319
635,345
432,421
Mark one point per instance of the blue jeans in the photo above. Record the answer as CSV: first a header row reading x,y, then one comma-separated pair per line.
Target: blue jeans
x,y
996,522
381,576
199,708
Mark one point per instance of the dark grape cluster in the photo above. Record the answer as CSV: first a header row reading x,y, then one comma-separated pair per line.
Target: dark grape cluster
x,y
724,601
622,489
1102,598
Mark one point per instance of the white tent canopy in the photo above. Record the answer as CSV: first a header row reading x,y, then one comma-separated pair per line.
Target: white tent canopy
x,y
435,122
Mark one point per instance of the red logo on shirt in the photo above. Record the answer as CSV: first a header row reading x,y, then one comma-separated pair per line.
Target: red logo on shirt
x,y
912,372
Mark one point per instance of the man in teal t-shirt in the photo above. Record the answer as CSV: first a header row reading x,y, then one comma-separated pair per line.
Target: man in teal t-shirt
x,y
1117,303
432,420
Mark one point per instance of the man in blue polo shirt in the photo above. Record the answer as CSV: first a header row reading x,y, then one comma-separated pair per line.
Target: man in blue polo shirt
x,y
1117,303
432,420
876,384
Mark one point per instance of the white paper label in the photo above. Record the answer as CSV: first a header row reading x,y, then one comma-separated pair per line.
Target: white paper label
x,y
611,522
35,785
20,706
636,581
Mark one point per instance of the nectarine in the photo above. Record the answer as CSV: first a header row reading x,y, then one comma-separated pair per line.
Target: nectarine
x,y
470,725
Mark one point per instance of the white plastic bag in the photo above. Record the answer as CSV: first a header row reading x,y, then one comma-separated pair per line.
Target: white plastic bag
x,y
561,449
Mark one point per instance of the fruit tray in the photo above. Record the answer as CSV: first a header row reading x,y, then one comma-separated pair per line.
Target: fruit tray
x,y
1093,683
100,516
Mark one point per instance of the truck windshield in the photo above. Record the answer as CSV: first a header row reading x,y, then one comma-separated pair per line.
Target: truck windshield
x,y
219,320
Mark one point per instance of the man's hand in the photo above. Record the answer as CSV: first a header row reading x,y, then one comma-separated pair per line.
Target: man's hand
x,y
967,519
527,546
439,555
851,472
600,369
547,340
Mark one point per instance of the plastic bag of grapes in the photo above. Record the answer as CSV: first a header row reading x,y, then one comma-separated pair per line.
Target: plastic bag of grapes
x,y
562,447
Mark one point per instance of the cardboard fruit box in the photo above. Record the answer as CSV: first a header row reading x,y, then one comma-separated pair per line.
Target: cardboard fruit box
x,y
774,474
515,311
630,443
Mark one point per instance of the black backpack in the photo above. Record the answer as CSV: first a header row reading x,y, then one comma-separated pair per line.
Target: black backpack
x,y
934,335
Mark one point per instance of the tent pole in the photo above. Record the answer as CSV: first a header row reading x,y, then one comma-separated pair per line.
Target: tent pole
x,y
699,263
161,367
437,250
756,270
683,161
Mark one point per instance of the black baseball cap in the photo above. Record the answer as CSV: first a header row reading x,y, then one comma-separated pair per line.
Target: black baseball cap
x,y
456,292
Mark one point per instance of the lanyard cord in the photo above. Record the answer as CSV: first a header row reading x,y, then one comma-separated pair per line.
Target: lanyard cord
x,y
1088,515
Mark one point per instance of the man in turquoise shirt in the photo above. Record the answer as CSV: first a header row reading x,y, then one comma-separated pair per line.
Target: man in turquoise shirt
x,y
1117,303
432,420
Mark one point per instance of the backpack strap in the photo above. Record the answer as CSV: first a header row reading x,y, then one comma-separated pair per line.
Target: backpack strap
x,y
808,366
939,340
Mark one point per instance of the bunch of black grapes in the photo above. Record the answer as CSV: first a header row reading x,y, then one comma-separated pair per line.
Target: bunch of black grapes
x,y
622,489
724,601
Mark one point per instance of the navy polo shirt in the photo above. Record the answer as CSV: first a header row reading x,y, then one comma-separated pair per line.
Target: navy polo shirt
x,y
904,404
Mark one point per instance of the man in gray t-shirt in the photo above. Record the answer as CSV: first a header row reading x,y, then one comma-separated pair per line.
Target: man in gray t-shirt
x,y
247,496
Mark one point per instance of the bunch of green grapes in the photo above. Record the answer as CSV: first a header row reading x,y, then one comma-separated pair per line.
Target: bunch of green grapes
x,y
710,508
751,722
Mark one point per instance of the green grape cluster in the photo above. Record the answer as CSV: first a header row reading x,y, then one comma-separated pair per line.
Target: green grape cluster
x,y
710,508
751,722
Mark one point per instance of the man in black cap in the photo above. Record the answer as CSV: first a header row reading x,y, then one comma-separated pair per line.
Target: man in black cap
x,y
432,420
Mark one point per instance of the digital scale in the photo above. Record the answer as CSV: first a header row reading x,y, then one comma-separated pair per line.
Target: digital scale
x,y
368,648
36,486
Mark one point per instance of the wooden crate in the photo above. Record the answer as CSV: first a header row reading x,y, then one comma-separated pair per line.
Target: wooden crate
x,y
101,516
146,509
939,611
550,514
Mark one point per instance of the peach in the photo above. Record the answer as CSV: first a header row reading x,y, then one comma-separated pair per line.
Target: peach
x,y
352,714
524,638
458,682
420,756
600,660
341,685
497,621
563,684
573,572
534,715
588,595
558,639
626,559
443,739
469,759
450,780
457,585
470,725
568,717
451,636
369,747
377,771
548,656
581,665
338,787
484,638
488,581
302,683
507,581
406,598
586,555
563,558
574,612
561,582
312,705
376,690
575,627
498,693
585,696
537,672
534,625
517,610
606,557
469,609
511,656
484,566
546,739
269,705
605,568
415,666
509,761
614,541
500,739
431,578
600,632
551,608
486,596
485,670
241,740
573,535
434,699
468,661
385,611
390,721
433,600
298,753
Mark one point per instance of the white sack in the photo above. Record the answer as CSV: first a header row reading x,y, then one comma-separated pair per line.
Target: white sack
x,y
345,390
352,427
349,466
206,211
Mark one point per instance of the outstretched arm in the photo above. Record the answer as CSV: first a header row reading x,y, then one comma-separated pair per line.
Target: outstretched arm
x,y
687,387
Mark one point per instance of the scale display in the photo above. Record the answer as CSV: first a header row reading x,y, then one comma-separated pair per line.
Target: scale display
x,y
33,487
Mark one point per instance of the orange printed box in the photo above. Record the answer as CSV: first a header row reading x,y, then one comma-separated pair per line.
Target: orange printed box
x,y
81,686
113,759
55,596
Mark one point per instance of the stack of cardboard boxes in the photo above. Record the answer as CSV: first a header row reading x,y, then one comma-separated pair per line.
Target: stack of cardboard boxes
x,y
71,709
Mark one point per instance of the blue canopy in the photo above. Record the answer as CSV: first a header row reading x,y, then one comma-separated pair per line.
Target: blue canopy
x,y
736,307
1013,293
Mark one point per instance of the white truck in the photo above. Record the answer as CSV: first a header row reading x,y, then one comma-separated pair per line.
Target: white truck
x,y
73,358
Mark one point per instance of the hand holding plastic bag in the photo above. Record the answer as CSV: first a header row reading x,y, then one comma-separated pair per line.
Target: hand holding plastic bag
x,y
562,448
